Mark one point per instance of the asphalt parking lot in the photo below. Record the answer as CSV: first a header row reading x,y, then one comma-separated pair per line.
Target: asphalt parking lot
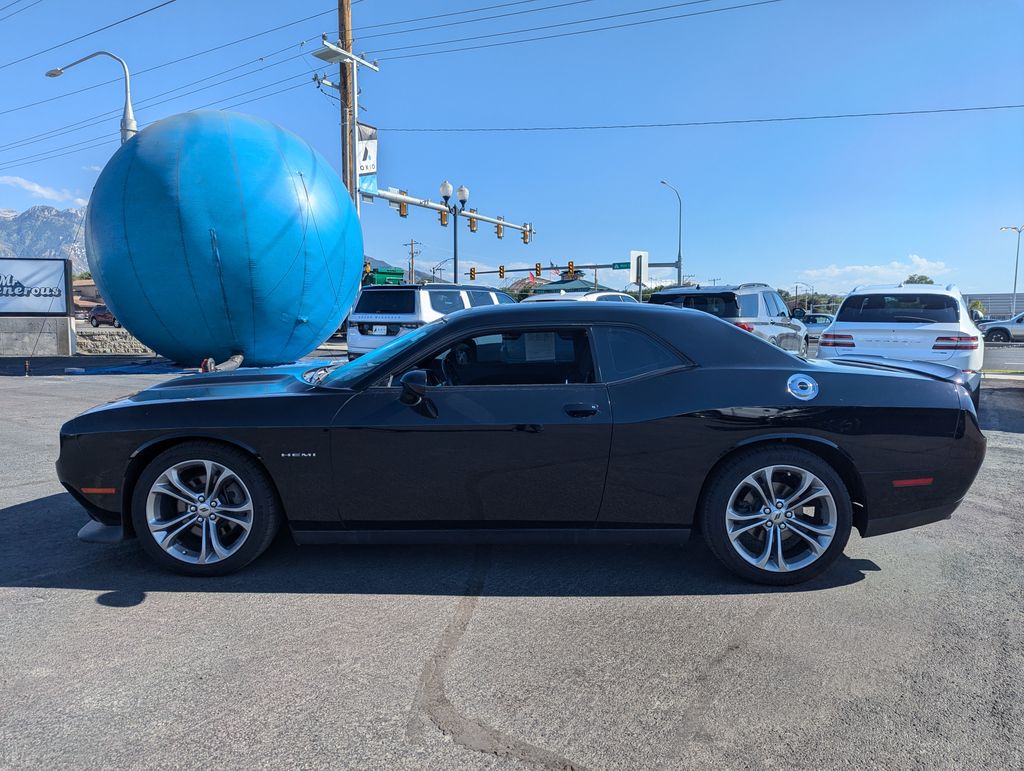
x,y
908,653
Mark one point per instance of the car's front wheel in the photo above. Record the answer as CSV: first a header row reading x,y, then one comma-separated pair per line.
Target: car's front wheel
x,y
203,508
94,322
117,324
777,515
997,336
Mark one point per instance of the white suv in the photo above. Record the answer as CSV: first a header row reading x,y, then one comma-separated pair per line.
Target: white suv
x,y
913,322
384,312
595,296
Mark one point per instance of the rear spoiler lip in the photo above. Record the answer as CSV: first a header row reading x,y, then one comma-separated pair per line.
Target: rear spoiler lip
x,y
933,370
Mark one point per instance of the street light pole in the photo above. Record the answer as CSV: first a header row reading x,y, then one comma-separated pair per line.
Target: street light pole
x,y
679,245
128,126
1016,262
462,195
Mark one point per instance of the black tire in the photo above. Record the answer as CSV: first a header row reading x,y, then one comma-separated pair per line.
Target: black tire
x,y
803,346
94,322
729,477
997,336
117,324
266,512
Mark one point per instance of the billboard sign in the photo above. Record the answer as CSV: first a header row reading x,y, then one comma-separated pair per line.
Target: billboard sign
x,y
34,287
366,162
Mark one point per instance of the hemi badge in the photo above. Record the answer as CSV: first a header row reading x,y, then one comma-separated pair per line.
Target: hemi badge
x,y
922,482
100,490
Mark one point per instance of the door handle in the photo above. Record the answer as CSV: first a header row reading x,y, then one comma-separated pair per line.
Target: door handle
x,y
580,410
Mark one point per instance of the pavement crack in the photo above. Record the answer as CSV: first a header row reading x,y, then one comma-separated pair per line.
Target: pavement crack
x,y
432,704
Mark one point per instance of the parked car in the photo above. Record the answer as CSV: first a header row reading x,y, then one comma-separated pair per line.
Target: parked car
x,y
916,322
575,420
1009,330
816,323
383,313
101,315
754,307
595,296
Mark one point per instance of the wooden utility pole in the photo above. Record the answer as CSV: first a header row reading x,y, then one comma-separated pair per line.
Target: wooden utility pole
x,y
412,260
345,93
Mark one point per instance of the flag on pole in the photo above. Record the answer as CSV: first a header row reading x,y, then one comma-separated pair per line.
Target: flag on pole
x,y
530,276
555,270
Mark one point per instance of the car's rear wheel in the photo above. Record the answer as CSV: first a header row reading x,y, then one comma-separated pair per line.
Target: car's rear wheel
x,y
117,324
202,508
997,336
777,515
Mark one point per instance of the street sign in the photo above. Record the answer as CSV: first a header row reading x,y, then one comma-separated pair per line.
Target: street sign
x,y
620,266
639,273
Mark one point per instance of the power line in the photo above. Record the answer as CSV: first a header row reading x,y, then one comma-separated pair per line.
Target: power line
x,y
730,122
148,101
578,32
173,61
443,15
15,13
473,21
87,34
5,7
550,26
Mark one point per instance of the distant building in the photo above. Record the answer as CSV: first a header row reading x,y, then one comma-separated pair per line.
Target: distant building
x,y
997,305
85,295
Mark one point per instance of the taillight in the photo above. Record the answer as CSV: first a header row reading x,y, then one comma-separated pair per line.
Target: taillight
x,y
956,343
744,326
831,340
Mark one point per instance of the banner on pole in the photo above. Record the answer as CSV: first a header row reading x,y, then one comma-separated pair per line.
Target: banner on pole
x,y
366,159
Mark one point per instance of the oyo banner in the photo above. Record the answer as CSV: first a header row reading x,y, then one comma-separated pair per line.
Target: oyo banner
x,y
33,287
366,159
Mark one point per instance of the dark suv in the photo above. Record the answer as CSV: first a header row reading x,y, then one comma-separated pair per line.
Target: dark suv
x,y
757,308
101,315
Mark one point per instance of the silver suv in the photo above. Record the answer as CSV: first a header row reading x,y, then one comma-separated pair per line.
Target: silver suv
x,y
757,308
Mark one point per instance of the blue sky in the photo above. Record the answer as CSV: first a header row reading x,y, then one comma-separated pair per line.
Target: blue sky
x,y
832,203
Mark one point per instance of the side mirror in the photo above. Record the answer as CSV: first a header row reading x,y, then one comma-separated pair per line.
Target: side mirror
x,y
414,387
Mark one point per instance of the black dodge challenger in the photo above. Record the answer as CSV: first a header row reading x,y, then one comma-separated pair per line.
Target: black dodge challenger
x,y
578,421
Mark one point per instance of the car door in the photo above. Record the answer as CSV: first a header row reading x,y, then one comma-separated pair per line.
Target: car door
x,y
654,469
517,433
1017,329
786,329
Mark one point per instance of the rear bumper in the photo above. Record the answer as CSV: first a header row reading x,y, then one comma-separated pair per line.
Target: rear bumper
x,y
883,525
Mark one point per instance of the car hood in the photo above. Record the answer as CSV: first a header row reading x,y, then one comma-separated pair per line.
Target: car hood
x,y
234,384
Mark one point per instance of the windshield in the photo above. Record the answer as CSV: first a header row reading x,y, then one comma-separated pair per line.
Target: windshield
x,y
344,375
899,309
386,301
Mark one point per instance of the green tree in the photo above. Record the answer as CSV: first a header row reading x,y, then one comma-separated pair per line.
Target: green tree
x,y
918,278
979,306
84,275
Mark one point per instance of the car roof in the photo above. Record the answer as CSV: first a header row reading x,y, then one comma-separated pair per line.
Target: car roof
x,y
575,295
435,286
754,286
950,290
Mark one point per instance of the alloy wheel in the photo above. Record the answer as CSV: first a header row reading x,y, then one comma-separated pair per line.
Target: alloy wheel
x,y
199,512
781,518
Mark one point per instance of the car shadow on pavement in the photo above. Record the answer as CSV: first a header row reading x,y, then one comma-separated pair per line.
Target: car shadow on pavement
x,y
1002,409
41,550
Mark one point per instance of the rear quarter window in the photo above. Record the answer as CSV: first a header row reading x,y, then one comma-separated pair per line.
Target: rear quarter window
x,y
446,301
478,297
723,305
898,308
629,352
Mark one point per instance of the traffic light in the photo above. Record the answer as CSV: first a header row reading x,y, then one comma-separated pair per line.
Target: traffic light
x,y
444,218
472,274
572,269
526,234
499,229
501,271
536,270
367,268
472,221
403,207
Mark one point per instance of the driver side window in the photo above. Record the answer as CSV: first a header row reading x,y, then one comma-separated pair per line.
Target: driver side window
x,y
514,357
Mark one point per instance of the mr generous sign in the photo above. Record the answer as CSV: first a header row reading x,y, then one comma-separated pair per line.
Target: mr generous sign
x,y
12,287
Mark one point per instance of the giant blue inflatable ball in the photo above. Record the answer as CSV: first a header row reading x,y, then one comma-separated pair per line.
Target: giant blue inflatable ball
x,y
213,233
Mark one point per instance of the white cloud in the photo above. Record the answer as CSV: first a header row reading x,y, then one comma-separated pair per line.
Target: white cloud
x,y
42,191
842,278
92,168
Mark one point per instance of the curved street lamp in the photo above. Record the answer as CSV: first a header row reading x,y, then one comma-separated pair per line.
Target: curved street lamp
x,y
679,247
128,126
1016,261
462,196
